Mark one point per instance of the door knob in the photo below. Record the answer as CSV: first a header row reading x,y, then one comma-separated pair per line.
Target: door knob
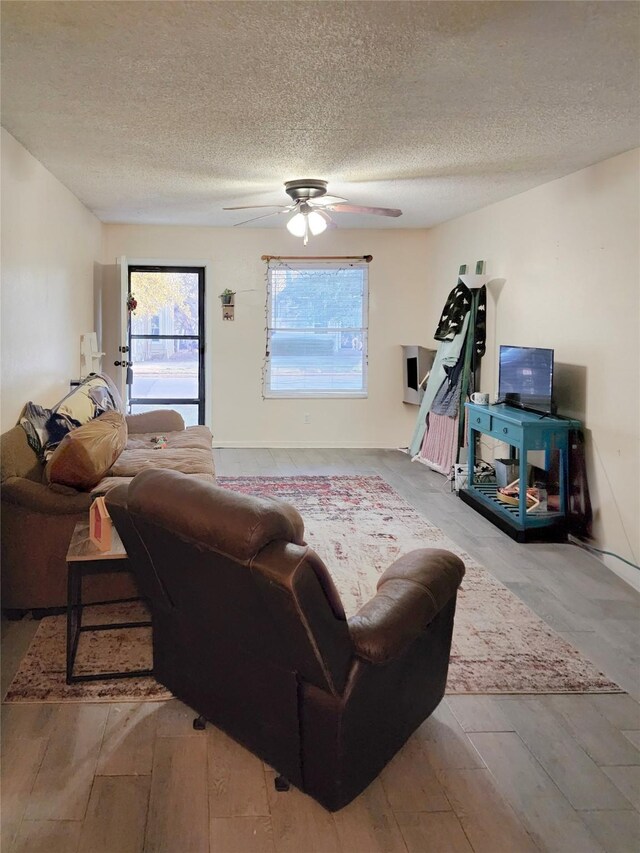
x,y
123,363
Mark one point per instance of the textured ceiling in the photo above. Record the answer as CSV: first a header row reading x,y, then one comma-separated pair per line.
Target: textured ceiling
x,y
163,112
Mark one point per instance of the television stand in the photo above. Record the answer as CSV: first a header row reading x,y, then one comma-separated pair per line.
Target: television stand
x,y
523,431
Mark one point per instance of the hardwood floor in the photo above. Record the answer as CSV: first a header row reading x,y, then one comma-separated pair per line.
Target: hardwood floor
x,y
490,774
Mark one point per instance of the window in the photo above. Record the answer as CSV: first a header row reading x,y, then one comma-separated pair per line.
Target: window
x,y
316,330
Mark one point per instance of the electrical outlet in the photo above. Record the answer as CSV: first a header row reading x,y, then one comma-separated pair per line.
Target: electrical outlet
x,y
307,418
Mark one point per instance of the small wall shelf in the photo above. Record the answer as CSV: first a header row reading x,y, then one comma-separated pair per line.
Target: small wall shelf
x,y
228,303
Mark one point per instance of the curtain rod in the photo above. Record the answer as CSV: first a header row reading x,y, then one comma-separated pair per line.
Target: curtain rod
x,y
367,258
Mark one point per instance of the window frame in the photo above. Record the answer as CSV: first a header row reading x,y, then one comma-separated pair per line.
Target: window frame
x,y
268,392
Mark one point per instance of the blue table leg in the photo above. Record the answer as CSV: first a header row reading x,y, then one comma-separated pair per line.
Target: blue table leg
x,y
522,483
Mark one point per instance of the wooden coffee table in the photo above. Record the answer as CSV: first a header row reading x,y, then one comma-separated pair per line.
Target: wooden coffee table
x,y
84,559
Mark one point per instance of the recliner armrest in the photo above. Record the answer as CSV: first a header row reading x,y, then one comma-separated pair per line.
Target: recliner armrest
x,y
160,420
410,594
39,498
117,496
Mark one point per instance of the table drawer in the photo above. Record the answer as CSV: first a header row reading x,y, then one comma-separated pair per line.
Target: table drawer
x,y
480,420
505,432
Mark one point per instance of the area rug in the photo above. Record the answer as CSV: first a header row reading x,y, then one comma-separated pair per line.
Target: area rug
x,y
359,525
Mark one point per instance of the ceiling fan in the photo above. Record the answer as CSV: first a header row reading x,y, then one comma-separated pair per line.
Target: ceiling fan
x,y
310,206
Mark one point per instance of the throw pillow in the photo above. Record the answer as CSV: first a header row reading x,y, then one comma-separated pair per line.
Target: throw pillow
x,y
85,454
33,420
95,395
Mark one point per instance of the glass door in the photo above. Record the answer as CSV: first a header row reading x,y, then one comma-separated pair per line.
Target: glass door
x,y
166,340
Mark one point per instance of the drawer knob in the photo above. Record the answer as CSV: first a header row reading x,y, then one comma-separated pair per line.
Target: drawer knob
x,y
477,420
505,430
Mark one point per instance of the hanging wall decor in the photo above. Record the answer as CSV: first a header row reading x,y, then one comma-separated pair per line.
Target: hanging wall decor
x,y
227,299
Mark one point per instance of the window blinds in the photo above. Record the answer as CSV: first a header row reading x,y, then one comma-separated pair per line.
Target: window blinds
x,y
316,330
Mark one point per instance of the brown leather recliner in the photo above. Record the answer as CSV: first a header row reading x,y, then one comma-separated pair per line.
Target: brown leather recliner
x,y
248,629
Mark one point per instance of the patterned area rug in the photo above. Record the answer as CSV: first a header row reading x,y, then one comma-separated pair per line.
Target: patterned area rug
x,y
359,526
41,676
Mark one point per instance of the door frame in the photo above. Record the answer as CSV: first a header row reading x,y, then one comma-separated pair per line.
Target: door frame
x,y
171,265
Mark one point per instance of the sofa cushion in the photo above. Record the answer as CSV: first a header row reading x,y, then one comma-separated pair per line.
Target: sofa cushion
x,y
85,455
158,420
186,460
187,451
191,437
17,457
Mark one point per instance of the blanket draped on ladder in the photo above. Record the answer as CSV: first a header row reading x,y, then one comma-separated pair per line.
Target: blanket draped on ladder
x,y
440,427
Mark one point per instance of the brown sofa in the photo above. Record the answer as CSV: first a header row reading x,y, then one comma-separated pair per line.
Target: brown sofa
x,y
37,519
249,630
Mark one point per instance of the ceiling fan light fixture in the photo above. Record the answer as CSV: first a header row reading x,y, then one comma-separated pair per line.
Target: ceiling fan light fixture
x,y
317,223
297,225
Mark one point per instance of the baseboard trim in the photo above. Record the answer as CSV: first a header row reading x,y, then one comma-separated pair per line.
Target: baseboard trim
x,y
302,445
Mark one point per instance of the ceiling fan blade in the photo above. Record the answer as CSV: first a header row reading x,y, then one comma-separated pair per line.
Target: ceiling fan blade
x,y
330,223
324,200
263,216
357,208
256,206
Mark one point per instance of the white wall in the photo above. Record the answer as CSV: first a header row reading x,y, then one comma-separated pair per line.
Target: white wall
x,y
568,254
239,416
50,244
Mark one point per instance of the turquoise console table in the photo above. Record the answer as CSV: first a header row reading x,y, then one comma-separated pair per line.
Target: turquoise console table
x,y
525,431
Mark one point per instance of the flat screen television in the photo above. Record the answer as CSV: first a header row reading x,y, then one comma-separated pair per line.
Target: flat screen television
x,y
526,378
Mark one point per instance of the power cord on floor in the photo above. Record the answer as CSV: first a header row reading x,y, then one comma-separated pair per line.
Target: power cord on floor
x,y
574,541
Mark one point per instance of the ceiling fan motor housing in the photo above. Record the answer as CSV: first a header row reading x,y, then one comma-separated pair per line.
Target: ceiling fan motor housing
x,y
305,188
